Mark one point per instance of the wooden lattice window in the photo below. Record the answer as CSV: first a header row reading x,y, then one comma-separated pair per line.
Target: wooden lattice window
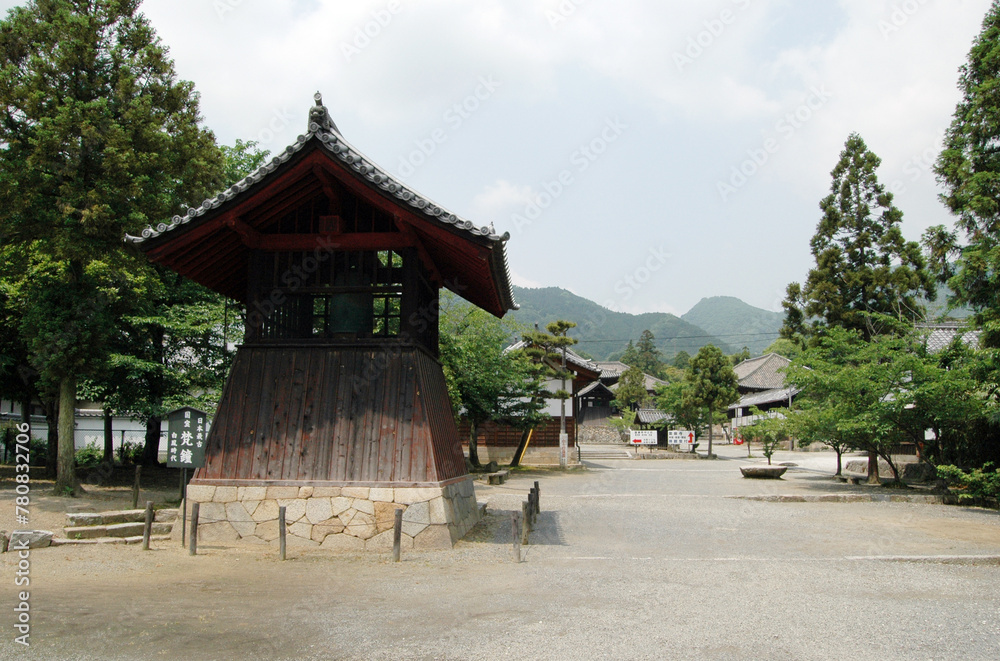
x,y
341,296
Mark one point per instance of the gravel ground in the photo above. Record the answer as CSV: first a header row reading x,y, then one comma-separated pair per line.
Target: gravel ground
x,y
630,560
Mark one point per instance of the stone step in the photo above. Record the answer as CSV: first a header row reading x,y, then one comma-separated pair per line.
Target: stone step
x,y
60,541
115,530
78,519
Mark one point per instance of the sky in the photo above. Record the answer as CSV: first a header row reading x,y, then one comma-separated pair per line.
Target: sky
x,y
642,154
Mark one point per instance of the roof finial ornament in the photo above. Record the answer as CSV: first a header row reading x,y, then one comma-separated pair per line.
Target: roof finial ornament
x,y
319,115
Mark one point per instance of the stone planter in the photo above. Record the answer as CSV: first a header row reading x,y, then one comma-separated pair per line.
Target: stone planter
x,y
763,472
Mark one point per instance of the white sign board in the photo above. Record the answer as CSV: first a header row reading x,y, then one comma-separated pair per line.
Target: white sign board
x,y
642,437
685,438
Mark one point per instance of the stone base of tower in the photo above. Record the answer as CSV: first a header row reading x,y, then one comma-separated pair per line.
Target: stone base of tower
x,y
337,518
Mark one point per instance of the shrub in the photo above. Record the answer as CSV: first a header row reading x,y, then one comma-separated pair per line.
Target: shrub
x,y
89,456
130,452
623,424
39,450
973,485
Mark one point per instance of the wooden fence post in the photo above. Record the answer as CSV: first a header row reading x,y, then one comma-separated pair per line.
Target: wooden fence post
x,y
281,532
538,505
515,521
397,535
147,529
525,522
193,536
135,488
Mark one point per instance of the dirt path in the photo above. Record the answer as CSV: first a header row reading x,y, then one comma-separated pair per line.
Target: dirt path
x,y
630,561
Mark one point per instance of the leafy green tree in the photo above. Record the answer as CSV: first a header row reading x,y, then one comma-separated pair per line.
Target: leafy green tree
x,y
243,158
784,347
623,424
170,348
769,432
865,270
866,388
738,358
818,424
969,170
485,382
97,138
681,360
677,401
631,391
713,384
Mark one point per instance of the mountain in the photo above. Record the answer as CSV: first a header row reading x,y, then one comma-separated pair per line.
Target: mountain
x,y
603,333
736,322
939,308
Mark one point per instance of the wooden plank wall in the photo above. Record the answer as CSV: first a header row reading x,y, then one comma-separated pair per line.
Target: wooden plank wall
x,y
334,414
501,436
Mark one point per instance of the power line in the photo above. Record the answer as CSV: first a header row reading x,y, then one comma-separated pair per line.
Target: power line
x,y
688,337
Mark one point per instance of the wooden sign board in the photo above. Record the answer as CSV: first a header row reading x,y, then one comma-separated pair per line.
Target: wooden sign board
x,y
187,431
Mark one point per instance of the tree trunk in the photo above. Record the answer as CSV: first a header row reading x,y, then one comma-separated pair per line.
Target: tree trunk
x,y
873,468
892,467
109,439
521,448
51,407
840,452
473,445
151,449
65,467
709,433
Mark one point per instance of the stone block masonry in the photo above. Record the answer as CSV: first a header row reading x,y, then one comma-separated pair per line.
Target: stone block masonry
x,y
345,518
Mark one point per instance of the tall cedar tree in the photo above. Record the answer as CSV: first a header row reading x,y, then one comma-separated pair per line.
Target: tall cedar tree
x,y
169,349
645,355
97,138
969,170
864,269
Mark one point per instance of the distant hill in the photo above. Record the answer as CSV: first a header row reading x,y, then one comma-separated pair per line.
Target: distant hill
x,y
736,322
939,307
604,334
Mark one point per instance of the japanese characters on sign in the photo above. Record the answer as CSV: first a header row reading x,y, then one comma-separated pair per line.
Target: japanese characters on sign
x,y
642,437
684,438
187,431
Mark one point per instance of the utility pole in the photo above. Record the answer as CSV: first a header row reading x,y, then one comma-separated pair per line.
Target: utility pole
x,y
563,436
